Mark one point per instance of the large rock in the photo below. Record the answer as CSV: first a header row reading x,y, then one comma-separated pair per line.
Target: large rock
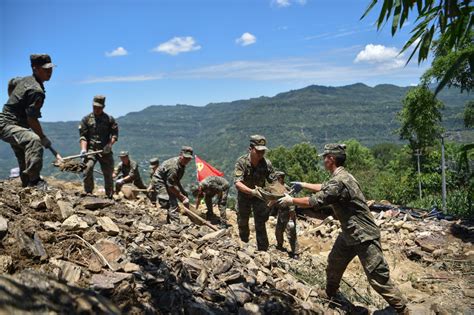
x,y
74,222
69,271
108,225
108,279
6,263
66,209
241,294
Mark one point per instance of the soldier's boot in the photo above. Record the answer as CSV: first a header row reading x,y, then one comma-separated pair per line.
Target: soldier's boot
x,y
39,184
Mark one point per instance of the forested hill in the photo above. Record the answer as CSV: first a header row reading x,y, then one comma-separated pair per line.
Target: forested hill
x,y
219,131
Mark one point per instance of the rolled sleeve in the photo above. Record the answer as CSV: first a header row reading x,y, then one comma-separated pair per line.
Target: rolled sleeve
x,y
239,172
329,194
83,130
114,130
35,101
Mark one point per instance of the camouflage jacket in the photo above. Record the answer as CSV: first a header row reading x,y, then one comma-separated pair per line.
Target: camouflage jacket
x,y
343,193
128,170
98,131
26,97
253,176
213,185
169,174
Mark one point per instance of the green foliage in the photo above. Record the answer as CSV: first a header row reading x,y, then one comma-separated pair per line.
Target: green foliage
x,y
300,163
469,115
450,19
420,118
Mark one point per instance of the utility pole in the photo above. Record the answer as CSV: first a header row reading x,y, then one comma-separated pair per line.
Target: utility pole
x,y
418,153
443,174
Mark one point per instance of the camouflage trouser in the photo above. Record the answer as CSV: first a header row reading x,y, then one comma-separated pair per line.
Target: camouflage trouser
x,y
246,205
376,269
221,202
28,151
170,203
283,223
137,182
107,165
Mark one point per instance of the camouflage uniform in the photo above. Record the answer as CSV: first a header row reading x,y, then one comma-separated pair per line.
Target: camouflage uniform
x,y
98,131
152,194
25,100
131,170
252,177
359,237
169,174
212,186
283,223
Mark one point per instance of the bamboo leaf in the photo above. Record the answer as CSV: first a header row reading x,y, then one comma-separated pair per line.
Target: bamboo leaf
x,y
369,8
396,16
450,73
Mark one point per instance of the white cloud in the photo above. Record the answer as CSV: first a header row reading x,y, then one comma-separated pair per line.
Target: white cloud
x,y
287,3
382,56
119,51
132,78
177,45
246,39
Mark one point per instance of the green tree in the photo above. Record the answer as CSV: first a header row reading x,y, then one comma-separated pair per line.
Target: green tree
x,y
450,20
469,114
420,118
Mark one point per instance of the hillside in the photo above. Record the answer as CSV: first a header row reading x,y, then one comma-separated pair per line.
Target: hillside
x,y
219,131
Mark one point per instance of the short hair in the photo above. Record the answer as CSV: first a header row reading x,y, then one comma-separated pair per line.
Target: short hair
x,y
340,159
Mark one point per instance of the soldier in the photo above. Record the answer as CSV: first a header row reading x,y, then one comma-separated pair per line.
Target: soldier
x,y
167,183
252,170
154,163
98,131
286,220
359,237
208,188
19,124
127,172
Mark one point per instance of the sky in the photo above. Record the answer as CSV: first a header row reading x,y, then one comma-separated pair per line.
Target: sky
x,y
165,52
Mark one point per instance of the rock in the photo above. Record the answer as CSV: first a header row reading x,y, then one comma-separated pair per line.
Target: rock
x,y
145,227
109,250
70,272
413,294
409,226
52,226
241,294
38,204
74,222
108,225
6,264
131,267
213,235
3,227
33,248
397,225
108,279
425,245
94,203
468,292
251,309
66,209
49,202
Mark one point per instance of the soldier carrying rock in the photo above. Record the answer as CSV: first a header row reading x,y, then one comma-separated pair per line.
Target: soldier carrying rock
x,y
252,170
360,235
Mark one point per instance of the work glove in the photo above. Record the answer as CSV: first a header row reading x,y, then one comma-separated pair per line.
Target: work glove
x,y
186,202
296,186
83,153
286,200
107,149
256,193
46,142
119,181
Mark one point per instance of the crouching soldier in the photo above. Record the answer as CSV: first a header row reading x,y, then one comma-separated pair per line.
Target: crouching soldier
x,y
127,172
151,192
208,188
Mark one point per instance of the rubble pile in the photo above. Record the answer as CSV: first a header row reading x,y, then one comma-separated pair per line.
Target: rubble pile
x,y
66,251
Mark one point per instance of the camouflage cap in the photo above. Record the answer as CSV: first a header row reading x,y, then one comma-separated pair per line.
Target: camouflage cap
x,y
42,60
258,142
154,161
280,174
334,148
123,153
187,152
99,101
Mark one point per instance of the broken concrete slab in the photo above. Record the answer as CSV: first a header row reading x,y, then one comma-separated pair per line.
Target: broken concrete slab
x,y
108,225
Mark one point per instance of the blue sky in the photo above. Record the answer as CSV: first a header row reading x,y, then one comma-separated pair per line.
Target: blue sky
x,y
152,52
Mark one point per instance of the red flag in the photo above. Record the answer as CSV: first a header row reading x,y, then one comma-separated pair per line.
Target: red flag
x,y
204,169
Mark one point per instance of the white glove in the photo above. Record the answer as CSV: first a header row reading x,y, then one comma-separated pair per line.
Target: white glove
x,y
83,153
46,142
287,200
119,181
256,193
